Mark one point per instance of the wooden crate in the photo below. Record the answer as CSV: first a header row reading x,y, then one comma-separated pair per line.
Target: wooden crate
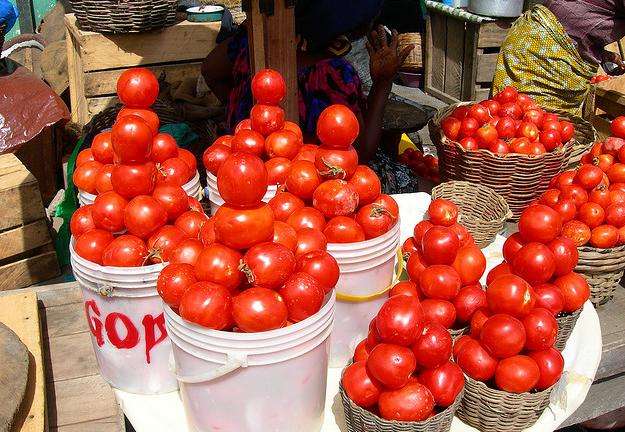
x,y
95,60
605,101
460,56
27,254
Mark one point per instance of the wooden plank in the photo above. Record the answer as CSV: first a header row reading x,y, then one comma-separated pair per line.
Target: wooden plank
x,y
603,397
428,48
439,44
70,357
438,94
19,313
184,41
613,105
486,64
257,26
613,336
469,65
481,93
24,238
51,295
492,34
454,57
76,74
105,82
29,271
98,104
109,424
602,126
20,200
64,320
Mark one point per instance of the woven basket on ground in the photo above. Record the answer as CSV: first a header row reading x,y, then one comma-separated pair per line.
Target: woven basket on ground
x,y
414,61
358,419
566,324
603,269
482,210
519,179
488,409
124,16
585,136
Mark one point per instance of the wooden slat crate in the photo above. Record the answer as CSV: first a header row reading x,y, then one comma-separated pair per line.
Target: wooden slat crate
x,y
95,60
460,56
27,254
605,102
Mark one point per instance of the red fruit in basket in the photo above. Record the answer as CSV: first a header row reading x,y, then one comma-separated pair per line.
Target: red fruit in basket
x,y
565,254
374,220
577,231
509,294
310,240
464,236
439,312
143,216
307,217
207,304
440,245
307,152
566,208
336,164
191,222
616,173
506,128
400,320
539,223
132,139
407,288
285,235
563,179
86,175
535,263
507,95
268,265
189,159
541,329
414,402
415,266
83,157
617,195
617,127
500,269
468,127
391,365
512,110
361,353
476,362
248,141
266,119
187,251
219,264
133,180
445,383
575,291
91,245
164,147
503,336
268,87
101,148
389,203
492,106
518,374
521,145
207,232
461,112
549,297
125,251
469,144
149,116
322,266
174,171
567,130
173,199
343,229
103,180
550,364
468,301
443,212
277,170
337,127
284,204
283,143
440,282
335,198
108,212
451,127
245,124
294,127
419,230
433,348
243,228
477,322
529,131
303,179
460,343
470,264
604,236
163,242
303,296
551,139
82,221
499,147
173,281
215,156
534,116
366,183
137,88
242,180
591,214
588,176
259,309
615,215
480,113
511,246
361,388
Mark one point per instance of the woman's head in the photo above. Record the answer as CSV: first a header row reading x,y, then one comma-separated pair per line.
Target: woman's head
x,y
8,16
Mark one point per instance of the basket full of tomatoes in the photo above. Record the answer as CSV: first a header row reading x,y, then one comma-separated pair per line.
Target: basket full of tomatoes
x,y
507,143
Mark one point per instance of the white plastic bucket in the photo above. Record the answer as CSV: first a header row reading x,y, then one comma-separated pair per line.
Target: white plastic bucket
x,y
193,188
254,382
127,324
368,270
215,199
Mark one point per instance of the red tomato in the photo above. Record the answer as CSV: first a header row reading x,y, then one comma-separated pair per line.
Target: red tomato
x,y
465,237
307,217
440,282
576,231
518,374
302,179
468,127
500,269
266,119
477,322
615,215
414,402
443,212
187,251
617,127
268,87
506,128
103,179
310,240
492,106
616,173
440,245
285,235
507,95
400,320
503,336
541,329
207,304
337,127
539,223
173,281
604,237
419,230
389,203
470,264
277,170
189,159
486,135
550,364
407,288
259,309
551,139
284,204
512,245
534,116
433,348
248,141
509,294
303,296
451,127
374,220
294,127
439,312
322,266
499,147
243,228
567,130
207,232
589,176
191,222
445,383
82,221
164,147
335,198
132,140
343,229
549,297
529,131
174,171
469,299
242,180
125,251
460,343
512,110
566,208
480,113
219,264
415,266
91,245
391,365
461,112
476,362
283,143
149,116
469,144
361,353
366,183
563,179
86,175
575,291
591,214
268,265
336,164
535,263
137,88
215,156
101,148
196,206
173,199
245,124
108,212
565,254
133,180
362,389
143,216
163,242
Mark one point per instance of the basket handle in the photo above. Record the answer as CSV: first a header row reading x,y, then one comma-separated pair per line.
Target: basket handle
x,y
233,362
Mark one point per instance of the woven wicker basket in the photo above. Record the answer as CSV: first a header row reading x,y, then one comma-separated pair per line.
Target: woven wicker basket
x,y
566,324
414,61
482,210
358,419
519,179
124,16
603,269
488,409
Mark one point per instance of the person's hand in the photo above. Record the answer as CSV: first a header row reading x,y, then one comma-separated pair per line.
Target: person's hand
x,y
612,57
385,58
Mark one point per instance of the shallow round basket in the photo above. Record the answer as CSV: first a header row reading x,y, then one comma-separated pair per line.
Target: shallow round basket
x,y
488,409
518,178
482,210
566,324
358,419
126,16
603,269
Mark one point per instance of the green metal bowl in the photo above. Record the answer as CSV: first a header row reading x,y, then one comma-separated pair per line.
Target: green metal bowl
x,y
205,13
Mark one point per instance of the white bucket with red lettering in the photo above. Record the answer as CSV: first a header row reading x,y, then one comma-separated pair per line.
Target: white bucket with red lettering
x,y
253,382
125,316
368,271
216,200
193,188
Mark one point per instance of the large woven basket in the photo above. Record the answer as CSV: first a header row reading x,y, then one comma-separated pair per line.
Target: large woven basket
x,y
603,269
488,409
124,16
566,324
414,61
519,179
482,210
358,419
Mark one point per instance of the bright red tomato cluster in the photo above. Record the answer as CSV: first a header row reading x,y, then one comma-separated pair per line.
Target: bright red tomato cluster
x,y
591,199
423,166
599,78
511,122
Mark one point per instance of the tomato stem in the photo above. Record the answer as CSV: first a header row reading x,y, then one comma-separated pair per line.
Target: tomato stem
x,y
333,171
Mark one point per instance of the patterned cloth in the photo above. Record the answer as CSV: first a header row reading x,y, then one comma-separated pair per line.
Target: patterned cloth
x,y
540,59
396,178
457,12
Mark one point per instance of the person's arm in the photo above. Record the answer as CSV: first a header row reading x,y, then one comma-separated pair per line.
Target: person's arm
x,y
217,71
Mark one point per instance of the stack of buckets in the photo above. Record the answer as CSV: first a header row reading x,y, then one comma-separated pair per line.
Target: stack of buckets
x,y
216,200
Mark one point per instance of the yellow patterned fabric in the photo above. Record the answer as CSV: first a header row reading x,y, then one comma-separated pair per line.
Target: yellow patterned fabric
x,y
540,59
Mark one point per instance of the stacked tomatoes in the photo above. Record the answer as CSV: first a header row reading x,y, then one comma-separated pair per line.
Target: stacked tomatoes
x,y
141,214
425,166
511,122
599,78
591,199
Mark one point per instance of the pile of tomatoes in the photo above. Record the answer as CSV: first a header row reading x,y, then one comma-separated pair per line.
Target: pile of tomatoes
x,y
141,214
591,199
424,166
511,122
599,78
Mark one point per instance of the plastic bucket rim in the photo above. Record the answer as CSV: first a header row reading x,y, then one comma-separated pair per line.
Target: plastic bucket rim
x,y
143,270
